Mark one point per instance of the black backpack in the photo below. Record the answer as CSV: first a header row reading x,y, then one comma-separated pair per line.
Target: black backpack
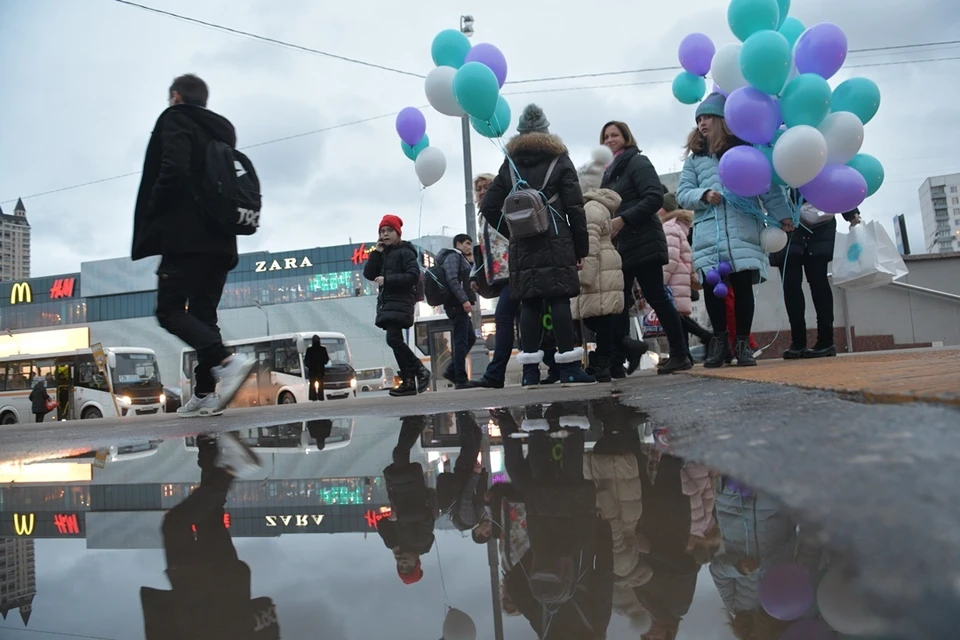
x,y
230,191
434,285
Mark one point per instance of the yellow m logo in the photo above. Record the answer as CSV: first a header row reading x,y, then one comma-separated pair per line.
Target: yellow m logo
x,y
21,292
23,524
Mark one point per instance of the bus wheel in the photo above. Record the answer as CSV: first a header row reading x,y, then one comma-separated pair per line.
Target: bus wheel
x,y
287,398
92,414
8,418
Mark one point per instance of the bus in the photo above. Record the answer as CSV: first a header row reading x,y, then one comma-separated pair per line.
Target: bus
x,y
81,390
279,376
293,437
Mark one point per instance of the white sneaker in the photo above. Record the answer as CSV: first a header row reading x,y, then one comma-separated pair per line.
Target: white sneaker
x,y
209,405
530,425
231,376
235,457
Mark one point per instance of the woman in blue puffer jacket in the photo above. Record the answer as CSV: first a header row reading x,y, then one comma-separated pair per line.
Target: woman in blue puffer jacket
x,y
723,234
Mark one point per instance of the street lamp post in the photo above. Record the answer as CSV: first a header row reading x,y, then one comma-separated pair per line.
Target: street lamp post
x,y
265,314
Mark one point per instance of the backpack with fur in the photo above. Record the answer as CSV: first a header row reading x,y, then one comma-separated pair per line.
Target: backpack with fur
x,y
526,213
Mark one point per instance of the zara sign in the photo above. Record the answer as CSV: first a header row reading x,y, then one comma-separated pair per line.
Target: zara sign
x,y
262,266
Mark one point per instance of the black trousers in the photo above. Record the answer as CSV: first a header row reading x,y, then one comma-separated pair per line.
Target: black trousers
x,y
603,331
650,279
407,362
316,388
531,324
38,417
464,338
189,288
741,283
816,271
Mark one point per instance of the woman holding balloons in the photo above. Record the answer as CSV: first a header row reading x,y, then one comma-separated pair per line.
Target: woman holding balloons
x,y
726,241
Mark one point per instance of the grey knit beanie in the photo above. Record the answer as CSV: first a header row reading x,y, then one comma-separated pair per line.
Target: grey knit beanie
x,y
532,120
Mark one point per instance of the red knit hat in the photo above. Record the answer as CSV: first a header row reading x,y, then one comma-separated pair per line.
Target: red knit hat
x,y
392,221
417,573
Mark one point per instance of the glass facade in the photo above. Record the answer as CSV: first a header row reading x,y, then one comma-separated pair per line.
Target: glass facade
x,y
266,278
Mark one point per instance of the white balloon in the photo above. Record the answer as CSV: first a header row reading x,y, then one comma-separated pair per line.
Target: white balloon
x,y
800,155
439,89
458,626
844,609
430,166
773,239
725,68
843,132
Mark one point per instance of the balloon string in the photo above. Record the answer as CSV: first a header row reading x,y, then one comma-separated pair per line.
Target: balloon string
x,y
443,583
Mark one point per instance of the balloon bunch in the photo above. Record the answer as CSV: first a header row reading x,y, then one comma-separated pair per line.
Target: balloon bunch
x,y
467,81
715,279
802,133
429,162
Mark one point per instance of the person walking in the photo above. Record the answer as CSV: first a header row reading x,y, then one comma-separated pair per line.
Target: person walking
x,y
315,360
543,268
195,254
642,244
395,267
39,399
458,305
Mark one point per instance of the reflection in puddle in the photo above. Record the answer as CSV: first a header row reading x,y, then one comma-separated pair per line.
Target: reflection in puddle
x,y
572,519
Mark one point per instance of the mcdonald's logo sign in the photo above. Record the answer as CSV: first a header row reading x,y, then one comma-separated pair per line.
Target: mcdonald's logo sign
x,y
23,524
21,292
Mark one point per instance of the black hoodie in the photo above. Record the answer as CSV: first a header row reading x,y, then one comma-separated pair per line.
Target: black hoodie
x,y
167,220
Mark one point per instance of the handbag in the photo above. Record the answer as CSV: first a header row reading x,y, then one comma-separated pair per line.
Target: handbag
x,y
496,254
866,258
485,289
51,404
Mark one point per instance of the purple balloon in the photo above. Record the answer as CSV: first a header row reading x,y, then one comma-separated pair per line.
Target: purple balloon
x,y
725,268
411,125
713,277
837,189
746,171
742,489
786,591
720,290
490,56
822,49
696,53
809,629
752,115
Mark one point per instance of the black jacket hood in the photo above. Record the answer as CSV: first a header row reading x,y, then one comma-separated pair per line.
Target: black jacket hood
x,y
210,121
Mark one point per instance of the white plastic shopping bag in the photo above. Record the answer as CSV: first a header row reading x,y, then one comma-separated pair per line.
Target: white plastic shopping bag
x,y
866,258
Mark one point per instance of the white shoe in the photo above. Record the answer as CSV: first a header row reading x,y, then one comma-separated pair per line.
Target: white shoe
x,y
235,457
530,425
208,405
231,376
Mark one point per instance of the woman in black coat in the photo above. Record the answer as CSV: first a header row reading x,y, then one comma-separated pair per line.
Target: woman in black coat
x,y
809,250
639,235
543,269
395,267
38,399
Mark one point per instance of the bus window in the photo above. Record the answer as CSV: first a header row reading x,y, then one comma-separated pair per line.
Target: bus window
x,y
20,375
286,357
45,369
337,350
87,375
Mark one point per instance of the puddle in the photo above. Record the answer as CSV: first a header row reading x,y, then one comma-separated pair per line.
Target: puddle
x,y
356,528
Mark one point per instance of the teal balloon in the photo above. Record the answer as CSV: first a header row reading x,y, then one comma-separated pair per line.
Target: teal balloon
x,y
860,96
805,100
498,124
413,151
871,170
767,150
747,17
450,48
784,6
765,61
688,88
477,90
792,29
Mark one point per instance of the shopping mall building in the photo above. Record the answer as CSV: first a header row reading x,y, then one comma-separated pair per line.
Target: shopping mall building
x,y
316,289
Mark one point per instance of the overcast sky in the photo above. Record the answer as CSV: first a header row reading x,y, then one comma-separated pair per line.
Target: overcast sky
x,y
83,82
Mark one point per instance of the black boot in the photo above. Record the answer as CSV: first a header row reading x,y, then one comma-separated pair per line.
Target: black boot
x,y
744,353
600,368
423,380
407,387
634,350
820,350
798,343
718,353
675,364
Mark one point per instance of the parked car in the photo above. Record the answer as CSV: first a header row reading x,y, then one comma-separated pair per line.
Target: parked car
x,y
376,379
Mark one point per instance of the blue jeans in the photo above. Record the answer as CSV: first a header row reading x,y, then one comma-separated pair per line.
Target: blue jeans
x,y
463,340
505,316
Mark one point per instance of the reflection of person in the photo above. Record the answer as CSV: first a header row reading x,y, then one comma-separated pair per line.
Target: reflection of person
x,y
320,430
462,492
408,531
315,360
210,595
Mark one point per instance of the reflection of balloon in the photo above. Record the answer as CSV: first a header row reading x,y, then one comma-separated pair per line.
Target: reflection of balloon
x,y
843,608
413,151
411,125
688,88
430,166
805,100
439,89
477,90
786,590
837,189
871,170
458,626
725,68
492,57
696,53
822,49
498,124
792,29
843,132
773,239
809,629
800,155
752,115
765,61
746,17
449,48
857,95
745,171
